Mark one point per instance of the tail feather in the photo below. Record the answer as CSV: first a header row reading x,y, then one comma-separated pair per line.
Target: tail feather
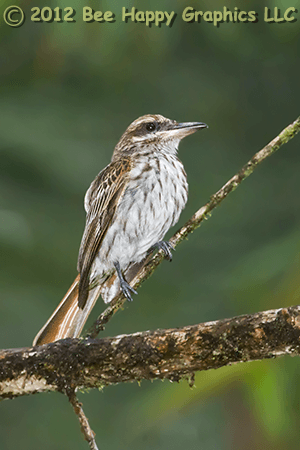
x,y
68,319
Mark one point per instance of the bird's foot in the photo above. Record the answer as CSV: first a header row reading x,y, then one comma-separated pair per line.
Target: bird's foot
x,y
166,247
126,288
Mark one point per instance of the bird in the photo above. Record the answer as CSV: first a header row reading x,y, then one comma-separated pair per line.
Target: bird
x,y
130,206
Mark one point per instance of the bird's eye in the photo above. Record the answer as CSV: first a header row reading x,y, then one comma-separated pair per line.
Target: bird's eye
x,y
151,126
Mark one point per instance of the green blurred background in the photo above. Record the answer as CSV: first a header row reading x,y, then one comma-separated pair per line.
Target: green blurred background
x,y
67,93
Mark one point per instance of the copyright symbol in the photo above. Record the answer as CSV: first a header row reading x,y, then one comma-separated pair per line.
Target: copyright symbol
x,y
14,11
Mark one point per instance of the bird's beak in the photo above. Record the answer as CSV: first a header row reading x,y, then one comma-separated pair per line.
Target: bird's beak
x,y
184,129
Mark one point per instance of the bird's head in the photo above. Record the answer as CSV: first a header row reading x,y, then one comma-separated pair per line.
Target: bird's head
x,y
155,132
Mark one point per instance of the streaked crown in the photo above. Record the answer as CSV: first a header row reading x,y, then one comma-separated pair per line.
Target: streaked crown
x,y
156,131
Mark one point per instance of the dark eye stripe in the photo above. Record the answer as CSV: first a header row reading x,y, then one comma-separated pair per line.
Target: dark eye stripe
x,y
143,128
151,126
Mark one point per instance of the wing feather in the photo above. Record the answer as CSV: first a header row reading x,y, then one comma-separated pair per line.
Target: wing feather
x,y
101,201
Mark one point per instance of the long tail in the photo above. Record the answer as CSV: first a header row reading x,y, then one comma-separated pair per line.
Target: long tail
x,y
68,319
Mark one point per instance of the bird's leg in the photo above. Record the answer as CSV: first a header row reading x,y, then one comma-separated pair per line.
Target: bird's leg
x,y
126,288
165,247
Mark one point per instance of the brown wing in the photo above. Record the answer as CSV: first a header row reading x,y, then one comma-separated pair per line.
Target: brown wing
x,y
101,202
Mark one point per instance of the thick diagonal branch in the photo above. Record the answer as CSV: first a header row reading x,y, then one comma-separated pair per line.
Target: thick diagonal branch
x,y
140,272
172,354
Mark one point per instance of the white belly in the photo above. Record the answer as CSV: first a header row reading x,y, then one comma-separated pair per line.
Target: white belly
x,y
151,204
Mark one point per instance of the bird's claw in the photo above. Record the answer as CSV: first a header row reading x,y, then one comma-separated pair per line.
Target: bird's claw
x,y
126,289
166,247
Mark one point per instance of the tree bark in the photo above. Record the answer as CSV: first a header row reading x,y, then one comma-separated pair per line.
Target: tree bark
x,y
173,354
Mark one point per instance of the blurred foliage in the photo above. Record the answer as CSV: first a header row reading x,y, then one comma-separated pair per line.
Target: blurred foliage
x,y
67,93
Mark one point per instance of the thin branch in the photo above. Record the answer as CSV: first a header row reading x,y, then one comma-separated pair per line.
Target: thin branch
x,y
86,430
162,354
140,272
